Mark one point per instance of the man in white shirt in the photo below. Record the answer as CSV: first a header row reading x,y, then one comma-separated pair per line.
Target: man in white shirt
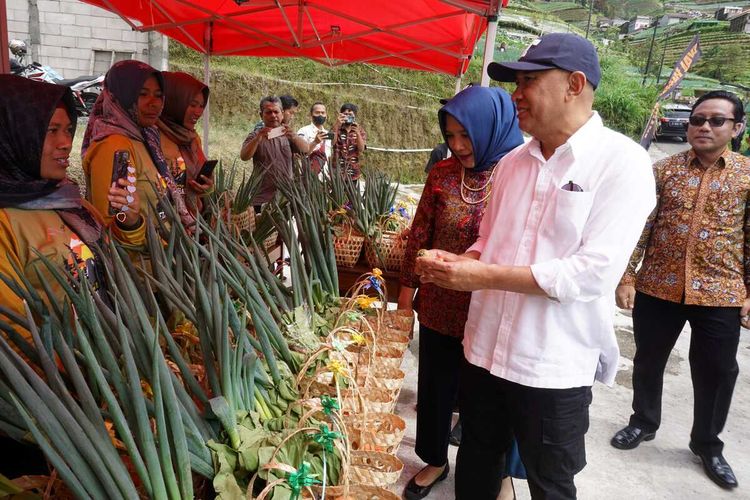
x,y
322,151
567,209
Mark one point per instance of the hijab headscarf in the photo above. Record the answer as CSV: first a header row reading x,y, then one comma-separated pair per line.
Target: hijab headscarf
x,y
179,90
26,108
489,118
116,112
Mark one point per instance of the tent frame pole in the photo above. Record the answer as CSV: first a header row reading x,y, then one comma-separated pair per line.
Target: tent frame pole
x,y
208,44
489,48
4,57
206,111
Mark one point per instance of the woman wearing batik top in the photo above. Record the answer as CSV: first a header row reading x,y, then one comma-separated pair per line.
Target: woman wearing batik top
x,y
185,99
41,210
480,126
124,119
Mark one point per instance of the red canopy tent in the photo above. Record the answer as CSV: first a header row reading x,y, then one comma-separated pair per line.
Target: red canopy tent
x,y
431,35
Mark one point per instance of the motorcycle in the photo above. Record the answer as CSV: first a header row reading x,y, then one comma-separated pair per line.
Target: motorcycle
x,y
86,89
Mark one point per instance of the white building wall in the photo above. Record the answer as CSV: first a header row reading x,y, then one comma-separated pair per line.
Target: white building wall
x,y
78,39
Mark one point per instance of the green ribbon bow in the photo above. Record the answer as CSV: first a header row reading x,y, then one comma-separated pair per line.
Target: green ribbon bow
x,y
301,479
326,437
354,315
340,345
329,404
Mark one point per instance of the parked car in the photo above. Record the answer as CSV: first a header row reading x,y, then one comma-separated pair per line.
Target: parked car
x,y
674,121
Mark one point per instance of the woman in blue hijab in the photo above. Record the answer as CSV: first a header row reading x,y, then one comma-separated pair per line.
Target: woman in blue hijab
x,y
480,126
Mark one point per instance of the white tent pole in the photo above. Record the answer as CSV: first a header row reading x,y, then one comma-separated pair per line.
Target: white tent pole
x,y
458,85
489,48
206,111
208,43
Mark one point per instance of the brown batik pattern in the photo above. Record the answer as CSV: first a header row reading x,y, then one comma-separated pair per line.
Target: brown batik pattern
x,y
695,246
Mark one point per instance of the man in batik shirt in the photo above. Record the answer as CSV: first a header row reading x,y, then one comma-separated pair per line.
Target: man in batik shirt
x,y
696,269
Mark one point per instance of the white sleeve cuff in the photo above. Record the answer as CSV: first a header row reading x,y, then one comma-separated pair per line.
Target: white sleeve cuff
x,y
550,277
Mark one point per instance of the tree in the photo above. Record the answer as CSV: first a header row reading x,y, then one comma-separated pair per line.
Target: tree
x,y
717,62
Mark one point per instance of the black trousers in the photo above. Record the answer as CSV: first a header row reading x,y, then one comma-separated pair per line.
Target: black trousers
x,y
440,358
549,425
714,339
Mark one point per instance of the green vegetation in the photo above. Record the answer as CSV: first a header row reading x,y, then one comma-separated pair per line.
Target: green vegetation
x,y
624,104
726,55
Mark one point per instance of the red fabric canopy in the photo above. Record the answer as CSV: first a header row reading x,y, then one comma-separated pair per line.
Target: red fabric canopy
x,y
430,35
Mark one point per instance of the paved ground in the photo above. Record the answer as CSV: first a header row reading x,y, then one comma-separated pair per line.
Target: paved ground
x,y
660,469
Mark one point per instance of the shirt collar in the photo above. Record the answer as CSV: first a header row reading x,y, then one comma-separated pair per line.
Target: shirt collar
x,y
578,144
721,162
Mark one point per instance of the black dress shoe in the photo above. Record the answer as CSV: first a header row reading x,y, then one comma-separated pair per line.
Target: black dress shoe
x,y
413,491
630,437
717,469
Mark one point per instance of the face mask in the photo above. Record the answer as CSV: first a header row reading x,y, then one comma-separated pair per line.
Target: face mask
x,y
319,120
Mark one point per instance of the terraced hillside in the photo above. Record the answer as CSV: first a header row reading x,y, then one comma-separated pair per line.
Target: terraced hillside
x,y
726,55
570,12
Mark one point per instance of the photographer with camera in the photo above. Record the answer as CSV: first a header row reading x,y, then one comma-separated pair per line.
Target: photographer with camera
x,y
349,142
315,133
272,147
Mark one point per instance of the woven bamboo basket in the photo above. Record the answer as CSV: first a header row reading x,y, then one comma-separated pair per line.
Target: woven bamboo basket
x,y
387,357
375,431
399,346
388,338
355,356
398,319
387,250
367,400
386,348
374,468
270,241
347,247
353,492
243,221
316,388
388,379
393,335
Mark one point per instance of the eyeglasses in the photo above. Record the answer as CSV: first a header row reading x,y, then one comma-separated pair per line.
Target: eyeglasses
x,y
714,121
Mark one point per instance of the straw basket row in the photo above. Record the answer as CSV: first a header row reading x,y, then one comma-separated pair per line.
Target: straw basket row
x,y
374,431
385,251
368,389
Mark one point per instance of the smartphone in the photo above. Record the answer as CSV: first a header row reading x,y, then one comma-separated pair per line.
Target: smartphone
x,y
208,168
276,132
119,170
330,136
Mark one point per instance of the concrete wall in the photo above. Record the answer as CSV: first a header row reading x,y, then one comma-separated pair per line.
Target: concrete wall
x,y
740,24
75,38
725,13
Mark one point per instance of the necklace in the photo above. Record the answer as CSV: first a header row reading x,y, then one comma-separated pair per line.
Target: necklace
x,y
475,190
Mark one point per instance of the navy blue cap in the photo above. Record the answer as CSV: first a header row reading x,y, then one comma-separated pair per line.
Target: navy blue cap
x,y
555,50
